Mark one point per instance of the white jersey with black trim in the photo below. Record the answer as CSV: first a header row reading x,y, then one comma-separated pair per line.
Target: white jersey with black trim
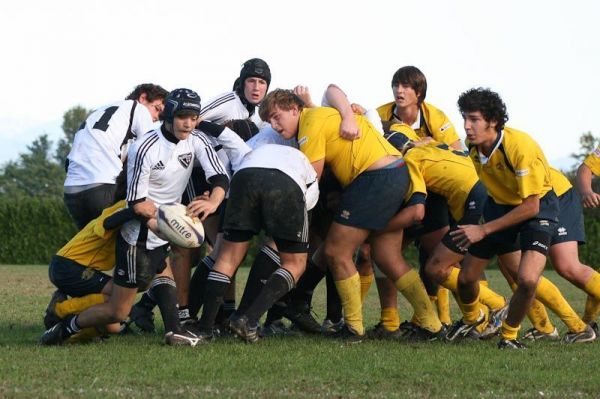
x,y
158,169
96,153
287,159
224,108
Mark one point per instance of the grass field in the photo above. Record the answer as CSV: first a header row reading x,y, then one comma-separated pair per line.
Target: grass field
x,y
140,366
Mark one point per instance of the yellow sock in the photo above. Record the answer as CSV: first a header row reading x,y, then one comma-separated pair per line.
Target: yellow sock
x,y
365,284
411,286
471,311
490,298
538,315
443,305
77,305
592,305
509,332
451,282
349,291
551,296
390,319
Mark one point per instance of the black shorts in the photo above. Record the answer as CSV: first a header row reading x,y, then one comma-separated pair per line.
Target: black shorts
x,y
533,234
269,200
473,212
374,197
330,193
436,217
89,204
570,225
74,279
137,266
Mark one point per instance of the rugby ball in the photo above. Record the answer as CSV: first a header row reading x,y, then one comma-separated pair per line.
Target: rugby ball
x,y
178,228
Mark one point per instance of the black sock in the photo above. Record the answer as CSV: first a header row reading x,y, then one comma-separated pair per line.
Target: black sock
x,y
302,294
147,301
164,291
265,263
216,285
198,285
71,325
334,303
280,283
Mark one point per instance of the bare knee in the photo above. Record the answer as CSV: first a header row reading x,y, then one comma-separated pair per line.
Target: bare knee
x,y
527,284
436,270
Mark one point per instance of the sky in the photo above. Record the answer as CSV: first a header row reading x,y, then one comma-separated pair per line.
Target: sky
x,y
542,57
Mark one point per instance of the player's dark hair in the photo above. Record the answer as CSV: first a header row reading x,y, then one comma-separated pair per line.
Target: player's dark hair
x,y
487,102
413,77
152,91
280,98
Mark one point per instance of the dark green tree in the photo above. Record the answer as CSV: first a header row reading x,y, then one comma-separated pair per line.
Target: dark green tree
x,y
34,174
72,121
587,144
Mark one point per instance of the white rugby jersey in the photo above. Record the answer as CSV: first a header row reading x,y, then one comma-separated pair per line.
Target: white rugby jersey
x,y
268,135
158,169
226,107
96,153
287,159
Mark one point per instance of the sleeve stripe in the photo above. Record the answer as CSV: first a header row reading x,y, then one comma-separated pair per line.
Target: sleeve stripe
x,y
218,101
212,156
137,170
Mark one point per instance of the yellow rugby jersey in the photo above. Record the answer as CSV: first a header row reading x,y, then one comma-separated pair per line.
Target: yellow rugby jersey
x,y
516,169
93,246
560,183
405,130
446,172
433,122
319,138
593,161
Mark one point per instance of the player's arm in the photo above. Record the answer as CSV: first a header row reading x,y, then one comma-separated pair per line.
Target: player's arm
x,y
318,167
466,235
338,100
216,176
411,214
304,94
138,176
589,198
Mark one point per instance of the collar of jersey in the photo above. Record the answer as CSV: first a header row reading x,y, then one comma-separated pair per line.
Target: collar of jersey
x,y
168,135
414,126
482,158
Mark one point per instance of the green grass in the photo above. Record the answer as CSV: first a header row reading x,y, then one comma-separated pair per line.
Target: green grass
x,y
140,366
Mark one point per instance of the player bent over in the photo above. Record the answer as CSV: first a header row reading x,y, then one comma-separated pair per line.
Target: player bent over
x,y
273,188
159,167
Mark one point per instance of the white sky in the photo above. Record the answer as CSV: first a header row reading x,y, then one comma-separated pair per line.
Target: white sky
x,y
543,57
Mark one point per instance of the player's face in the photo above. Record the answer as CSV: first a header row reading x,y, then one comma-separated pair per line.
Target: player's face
x,y
479,131
255,89
155,107
285,122
183,126
405,96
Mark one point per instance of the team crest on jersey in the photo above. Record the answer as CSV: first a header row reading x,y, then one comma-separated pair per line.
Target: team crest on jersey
x,y
185,159
499,166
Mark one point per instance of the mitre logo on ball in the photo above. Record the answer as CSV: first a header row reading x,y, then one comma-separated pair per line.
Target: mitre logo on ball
x,y
179,228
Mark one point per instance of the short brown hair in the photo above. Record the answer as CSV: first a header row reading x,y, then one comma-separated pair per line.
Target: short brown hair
x,y
152,92
280,98
413,77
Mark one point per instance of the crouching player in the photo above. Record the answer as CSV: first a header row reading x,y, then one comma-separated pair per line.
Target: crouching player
x,y
78,270
159,167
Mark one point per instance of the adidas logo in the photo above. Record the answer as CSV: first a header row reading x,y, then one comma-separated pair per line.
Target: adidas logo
x,y
158,166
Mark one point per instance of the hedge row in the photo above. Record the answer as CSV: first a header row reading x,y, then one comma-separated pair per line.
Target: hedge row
x,y
33,229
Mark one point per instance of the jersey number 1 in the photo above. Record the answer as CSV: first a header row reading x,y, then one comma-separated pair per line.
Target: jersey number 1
x,y
102,123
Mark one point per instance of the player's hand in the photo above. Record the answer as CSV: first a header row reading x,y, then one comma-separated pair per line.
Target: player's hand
x,y
349,128
590,199
304,94
202,208
145,209
467,235
205,196
358,109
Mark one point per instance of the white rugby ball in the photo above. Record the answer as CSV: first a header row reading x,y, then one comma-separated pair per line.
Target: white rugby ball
x,y
178,228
